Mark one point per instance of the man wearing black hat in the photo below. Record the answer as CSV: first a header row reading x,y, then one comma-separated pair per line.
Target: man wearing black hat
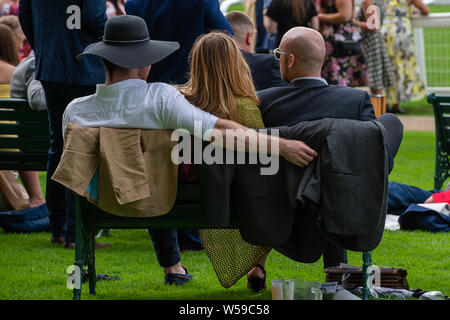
x,y
127,100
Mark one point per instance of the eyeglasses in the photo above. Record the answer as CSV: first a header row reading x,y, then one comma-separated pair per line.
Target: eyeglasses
x,y
277,53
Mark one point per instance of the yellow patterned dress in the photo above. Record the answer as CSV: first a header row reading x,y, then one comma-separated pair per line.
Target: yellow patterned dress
x,y
397,32
230,256
4,90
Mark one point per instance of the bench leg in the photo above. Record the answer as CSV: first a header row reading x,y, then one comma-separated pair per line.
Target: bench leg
x,y
84,251
90,234
367,263
79,254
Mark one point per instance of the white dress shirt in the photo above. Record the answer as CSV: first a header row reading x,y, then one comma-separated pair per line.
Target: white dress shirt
x,y
135,103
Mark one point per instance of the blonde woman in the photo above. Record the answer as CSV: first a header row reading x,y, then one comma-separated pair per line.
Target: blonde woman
x,y
221,83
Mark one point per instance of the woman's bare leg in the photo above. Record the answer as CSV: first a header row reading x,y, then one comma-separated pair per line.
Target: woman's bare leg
x,y
30,180
257,272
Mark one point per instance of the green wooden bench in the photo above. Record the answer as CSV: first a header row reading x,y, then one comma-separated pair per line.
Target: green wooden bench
x,y
441,107
31,143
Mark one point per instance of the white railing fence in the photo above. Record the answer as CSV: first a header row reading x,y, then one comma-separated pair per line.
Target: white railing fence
x,y
432,41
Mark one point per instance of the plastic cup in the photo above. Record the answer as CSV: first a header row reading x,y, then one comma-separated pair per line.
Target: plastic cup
x,y
282,290
306,290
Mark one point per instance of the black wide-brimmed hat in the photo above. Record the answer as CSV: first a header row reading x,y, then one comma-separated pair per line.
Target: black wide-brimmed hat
x,y
127,44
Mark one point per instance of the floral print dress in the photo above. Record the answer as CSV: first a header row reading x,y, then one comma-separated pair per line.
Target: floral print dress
x,y
397,32
346,71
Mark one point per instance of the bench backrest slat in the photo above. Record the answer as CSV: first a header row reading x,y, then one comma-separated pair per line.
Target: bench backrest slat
x,y
35,144
27,130
24,136
23,115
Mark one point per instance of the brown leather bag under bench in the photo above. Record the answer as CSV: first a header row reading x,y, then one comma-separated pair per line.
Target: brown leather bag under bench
x,y
390,277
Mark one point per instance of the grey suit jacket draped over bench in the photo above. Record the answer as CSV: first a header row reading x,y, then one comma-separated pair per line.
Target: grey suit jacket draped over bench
x,y
341,196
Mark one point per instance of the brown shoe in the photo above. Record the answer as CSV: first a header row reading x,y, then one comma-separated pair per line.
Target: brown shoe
x,y
102,245
71,245
58,240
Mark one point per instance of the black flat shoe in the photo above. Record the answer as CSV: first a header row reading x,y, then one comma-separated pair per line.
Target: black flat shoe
x,y
177,278
396,110
256,283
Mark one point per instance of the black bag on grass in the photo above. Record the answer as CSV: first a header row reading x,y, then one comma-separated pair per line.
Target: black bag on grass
x,y
26,220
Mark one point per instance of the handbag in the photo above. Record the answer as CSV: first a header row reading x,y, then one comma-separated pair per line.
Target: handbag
x,y
348,46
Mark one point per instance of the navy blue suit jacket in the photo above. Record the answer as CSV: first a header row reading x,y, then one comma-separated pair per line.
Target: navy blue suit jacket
x,y
177,20
44,23
311,99
265,70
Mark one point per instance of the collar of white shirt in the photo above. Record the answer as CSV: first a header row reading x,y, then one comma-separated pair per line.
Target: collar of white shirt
x,y
310,78
113,89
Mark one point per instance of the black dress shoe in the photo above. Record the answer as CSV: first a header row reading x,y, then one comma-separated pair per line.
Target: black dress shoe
x,y
397,110
256,283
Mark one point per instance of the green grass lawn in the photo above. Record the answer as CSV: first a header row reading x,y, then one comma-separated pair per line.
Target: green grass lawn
x,y
32,268
414,163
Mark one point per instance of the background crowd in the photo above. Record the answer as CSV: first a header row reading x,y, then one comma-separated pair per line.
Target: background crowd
x,y
380,57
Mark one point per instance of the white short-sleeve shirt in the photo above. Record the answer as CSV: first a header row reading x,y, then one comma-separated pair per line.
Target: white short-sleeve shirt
x,y
135,103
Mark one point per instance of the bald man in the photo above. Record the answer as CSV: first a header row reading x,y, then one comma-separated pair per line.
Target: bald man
x,y
301,55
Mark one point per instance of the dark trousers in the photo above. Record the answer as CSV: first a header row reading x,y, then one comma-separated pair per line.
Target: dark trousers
x,y
60,200
402,195
189,239
166,246
333,255
394,135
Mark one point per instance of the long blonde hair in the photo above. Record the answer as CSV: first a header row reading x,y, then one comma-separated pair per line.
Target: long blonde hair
x,y
219,74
